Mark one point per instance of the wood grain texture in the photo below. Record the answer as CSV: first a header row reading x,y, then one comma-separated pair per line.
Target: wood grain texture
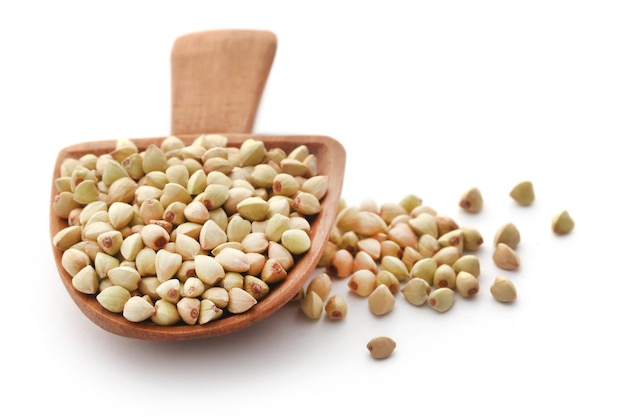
x,y
331,161
218,78
217,81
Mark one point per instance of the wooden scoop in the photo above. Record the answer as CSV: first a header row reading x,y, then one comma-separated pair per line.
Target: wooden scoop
x,y
217,81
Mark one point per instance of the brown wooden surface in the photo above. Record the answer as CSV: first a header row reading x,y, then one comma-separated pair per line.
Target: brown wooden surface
x,y
218,78
331,161
240,95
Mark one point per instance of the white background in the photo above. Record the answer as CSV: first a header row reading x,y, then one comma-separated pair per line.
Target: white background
x,y
428,99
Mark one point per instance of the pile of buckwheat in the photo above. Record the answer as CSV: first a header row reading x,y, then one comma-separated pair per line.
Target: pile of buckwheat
x,y
408,248
185,234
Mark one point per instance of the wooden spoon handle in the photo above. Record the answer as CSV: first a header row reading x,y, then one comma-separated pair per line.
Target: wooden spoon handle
x,y
218,77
